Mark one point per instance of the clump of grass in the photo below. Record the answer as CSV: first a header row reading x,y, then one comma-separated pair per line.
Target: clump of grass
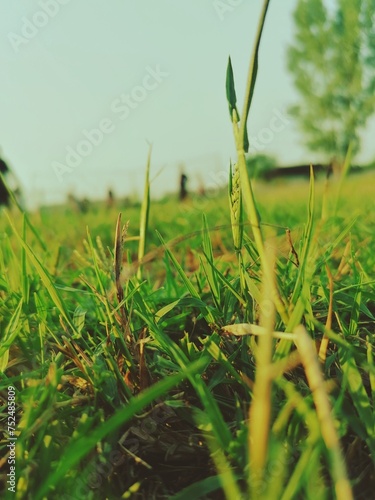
x,y
71,375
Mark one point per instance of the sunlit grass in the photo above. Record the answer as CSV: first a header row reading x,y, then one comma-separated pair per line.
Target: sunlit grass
x,y
64,349
204,350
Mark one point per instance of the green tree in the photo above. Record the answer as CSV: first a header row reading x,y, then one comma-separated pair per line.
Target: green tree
x,y
333,66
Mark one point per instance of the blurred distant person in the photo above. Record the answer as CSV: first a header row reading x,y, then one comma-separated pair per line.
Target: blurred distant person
x,y
4,194
110,198
12,184
183,190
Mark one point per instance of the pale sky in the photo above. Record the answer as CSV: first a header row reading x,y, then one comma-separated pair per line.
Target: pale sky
x,y
143,72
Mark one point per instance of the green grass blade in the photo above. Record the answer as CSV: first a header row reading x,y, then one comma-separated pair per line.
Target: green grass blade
x,y
371,362
212,347
145,210
208,264
306,259
356,308
185,302
230,89
24,277
199,489
10,334
45,277
252,75
225,471
358,394
193,292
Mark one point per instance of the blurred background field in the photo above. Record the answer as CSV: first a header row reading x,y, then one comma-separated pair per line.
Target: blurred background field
x,y
282,204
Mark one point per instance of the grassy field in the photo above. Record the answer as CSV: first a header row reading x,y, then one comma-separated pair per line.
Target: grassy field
x,y
198,374
222,347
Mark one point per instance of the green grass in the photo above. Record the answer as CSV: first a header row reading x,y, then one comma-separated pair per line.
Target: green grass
x,y
174,404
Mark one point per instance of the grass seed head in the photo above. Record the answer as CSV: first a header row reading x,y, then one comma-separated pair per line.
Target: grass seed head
x,y
235,202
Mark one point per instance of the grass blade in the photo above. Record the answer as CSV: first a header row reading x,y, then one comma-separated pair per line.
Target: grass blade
x,y
45,277
199,489
10,334
310,362
358,394
206,313
252,75
145,209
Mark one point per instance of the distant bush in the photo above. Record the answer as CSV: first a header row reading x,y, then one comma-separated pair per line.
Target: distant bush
x,y
258,165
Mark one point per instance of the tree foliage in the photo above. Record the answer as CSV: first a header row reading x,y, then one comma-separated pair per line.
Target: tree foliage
x,y
333,66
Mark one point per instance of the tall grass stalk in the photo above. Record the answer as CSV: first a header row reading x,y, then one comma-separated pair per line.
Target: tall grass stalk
x,y
260,410
306,348
240,133
145,210
44,275
236,217
242,145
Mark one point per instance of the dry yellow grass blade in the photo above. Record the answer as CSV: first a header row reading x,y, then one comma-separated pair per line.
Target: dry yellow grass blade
x,y
324,343
311,364
242,329
261,406
117,264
